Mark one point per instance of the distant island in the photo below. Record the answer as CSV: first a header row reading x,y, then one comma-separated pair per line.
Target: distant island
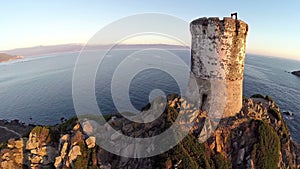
x,y
6,57
297,73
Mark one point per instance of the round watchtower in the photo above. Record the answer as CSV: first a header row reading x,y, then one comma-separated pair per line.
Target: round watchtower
x,y
218,53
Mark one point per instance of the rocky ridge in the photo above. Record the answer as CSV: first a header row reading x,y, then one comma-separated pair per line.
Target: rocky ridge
x,y
257,137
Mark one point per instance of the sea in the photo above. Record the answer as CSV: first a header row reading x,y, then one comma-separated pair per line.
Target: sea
x,y
39,89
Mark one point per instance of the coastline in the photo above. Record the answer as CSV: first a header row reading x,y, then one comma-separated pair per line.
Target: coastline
x,y
237,141
13,129
7,58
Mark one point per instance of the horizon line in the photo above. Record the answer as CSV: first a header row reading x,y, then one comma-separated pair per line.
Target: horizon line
x,y
82,45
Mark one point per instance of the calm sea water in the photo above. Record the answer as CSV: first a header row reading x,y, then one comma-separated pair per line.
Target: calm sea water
x,y
39,89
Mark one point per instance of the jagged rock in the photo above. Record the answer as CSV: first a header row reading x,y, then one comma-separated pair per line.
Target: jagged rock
x,y
241,155
88,126
129,150
219,141
184,104
74,152
38,137
19,143
193,116
11,143
35,159
116,135
65,137
7,164
76,127
91,142
127,128
108,166
58,162
39,151
63,151
250,164
50,155
212,145
5,156
76,138
18,158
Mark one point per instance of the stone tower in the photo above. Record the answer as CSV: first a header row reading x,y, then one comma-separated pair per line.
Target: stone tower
x,y
218,53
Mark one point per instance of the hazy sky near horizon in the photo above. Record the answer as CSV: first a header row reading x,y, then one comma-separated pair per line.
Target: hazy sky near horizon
x,y
274,25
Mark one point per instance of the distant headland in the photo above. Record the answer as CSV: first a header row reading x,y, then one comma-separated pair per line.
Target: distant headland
x,y
62,48
6,57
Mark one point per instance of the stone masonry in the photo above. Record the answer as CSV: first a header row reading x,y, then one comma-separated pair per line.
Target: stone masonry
x,y
218,53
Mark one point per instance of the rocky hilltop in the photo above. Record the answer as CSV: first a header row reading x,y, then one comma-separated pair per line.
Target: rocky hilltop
x,y
257,137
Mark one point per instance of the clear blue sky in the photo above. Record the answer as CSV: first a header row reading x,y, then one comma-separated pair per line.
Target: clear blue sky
x,y
274,25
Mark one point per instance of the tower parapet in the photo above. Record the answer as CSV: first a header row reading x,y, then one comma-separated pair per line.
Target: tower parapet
x,y
218,53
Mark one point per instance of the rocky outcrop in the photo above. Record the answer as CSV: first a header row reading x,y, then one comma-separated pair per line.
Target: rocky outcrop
x,y
12,156
297,73
35,151
257,137
260,137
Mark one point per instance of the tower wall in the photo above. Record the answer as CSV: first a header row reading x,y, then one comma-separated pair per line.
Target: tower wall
x,y
218,53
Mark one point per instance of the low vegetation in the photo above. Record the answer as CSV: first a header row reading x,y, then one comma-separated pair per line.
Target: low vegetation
x,y
266,150
283,131
189,153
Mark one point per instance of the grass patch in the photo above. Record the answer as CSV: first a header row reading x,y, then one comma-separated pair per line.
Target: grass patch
x,y
193,155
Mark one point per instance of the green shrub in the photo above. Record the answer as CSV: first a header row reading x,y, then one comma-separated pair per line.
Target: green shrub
x,y
221,162
266,150
283,128
43,133
68,125
3,145
83,159
193,154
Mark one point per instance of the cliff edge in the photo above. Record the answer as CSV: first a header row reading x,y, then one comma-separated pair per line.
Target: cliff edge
x,y
257,137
